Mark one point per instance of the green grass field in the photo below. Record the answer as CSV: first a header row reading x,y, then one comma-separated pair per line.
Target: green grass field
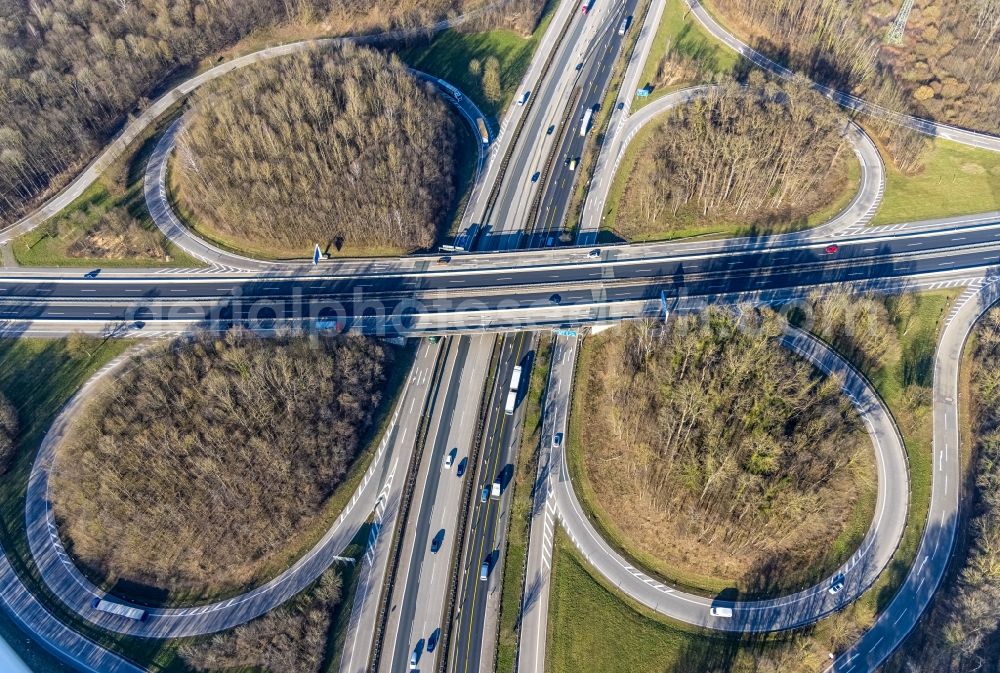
x,y
520,517
678,30
119,187
448,55
956,180
591,628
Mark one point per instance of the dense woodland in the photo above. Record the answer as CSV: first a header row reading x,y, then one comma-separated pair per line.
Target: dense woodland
x,y
215,453
761,156
717,450
8,432
341,147
71,71
960,632
290,639
947,66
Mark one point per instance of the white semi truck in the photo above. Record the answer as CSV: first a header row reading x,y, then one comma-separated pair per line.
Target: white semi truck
x,y
515,384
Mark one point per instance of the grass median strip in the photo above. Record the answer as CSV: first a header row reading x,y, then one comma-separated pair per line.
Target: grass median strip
x,y
520,517
109,224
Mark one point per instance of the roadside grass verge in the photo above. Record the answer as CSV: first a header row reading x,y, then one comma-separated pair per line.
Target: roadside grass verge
x,y
120,187
521,504
39,376
685,36
955,180
905,385
449,53
594,627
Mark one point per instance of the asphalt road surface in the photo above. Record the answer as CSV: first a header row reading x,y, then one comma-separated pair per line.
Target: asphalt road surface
x,y
555,421
479,599
931,561
481,298
589,91
421,586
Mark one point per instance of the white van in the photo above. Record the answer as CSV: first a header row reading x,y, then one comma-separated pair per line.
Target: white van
x,y
719,611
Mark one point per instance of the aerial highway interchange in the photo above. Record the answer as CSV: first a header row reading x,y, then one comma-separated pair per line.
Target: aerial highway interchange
x,y
438,488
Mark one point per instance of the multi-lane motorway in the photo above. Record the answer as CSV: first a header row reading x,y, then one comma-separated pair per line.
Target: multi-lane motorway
x,y
496,289
472,297
416,617
478,604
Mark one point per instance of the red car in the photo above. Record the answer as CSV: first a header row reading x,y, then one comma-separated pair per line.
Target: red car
x,y
585,7
832,248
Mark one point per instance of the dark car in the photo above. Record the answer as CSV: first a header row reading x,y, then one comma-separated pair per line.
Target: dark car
x,y
486,494
462,464
551,129
534,178
92,274
555,299
433,640
437,541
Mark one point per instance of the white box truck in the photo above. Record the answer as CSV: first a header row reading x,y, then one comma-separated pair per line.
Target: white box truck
x,y
585,121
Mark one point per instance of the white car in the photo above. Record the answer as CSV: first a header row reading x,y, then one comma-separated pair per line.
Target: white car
x,y
524,98
449,458
719,611
837,586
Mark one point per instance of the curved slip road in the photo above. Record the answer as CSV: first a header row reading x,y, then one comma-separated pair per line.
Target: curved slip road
x,y
378,487
845,100
155,187
856,214
117,147
804,607
69,646
894,623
